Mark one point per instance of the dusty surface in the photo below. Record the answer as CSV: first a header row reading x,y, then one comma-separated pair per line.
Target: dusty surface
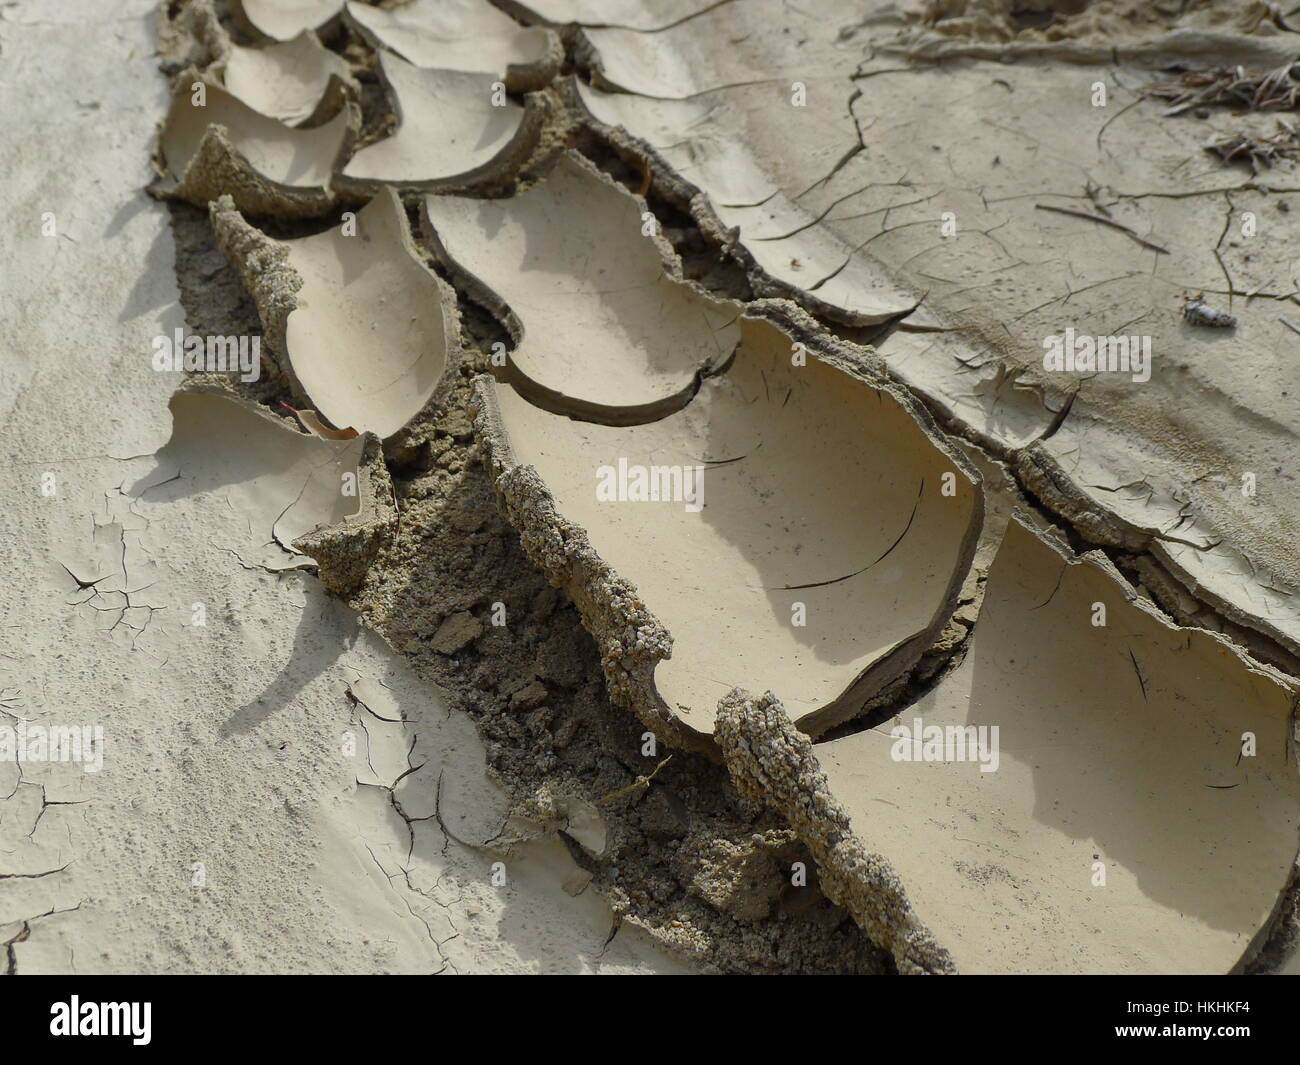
x,y
522,741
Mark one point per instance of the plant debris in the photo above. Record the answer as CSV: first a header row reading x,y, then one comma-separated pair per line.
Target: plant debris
x,y
1267,90
1259,151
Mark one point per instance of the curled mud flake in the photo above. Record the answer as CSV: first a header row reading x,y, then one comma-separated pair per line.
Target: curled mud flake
x,y
312,423
286,482
298,82
263,265
283,20
797,523
363,329
785,248
450,134
465,35
1090,775
633,640
213,144
603,326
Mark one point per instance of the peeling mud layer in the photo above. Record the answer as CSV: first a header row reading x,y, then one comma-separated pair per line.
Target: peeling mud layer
x,y
769,491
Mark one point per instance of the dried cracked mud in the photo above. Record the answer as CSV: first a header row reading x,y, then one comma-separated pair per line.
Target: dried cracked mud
x,y
760,490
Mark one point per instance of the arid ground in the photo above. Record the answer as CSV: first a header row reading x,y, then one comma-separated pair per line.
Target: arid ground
x,y
650,486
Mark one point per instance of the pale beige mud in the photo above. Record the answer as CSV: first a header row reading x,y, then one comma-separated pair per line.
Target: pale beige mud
x,y
817,548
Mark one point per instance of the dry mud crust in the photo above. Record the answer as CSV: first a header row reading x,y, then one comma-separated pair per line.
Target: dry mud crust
x,y
349,304
738,155
434,460
703,871
783,547
773,763
449,134
774,268
464,35
217,145
1139,819
570,272
299,81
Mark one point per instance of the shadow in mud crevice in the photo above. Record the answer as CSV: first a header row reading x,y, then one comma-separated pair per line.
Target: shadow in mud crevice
x,y
533,687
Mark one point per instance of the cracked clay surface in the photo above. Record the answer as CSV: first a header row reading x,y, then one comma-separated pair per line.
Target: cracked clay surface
x,y
653,487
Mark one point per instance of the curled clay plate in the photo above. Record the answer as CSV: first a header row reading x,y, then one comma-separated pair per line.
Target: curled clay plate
x,y
825,541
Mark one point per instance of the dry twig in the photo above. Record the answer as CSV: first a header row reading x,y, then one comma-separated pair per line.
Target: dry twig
x,y
1105,222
